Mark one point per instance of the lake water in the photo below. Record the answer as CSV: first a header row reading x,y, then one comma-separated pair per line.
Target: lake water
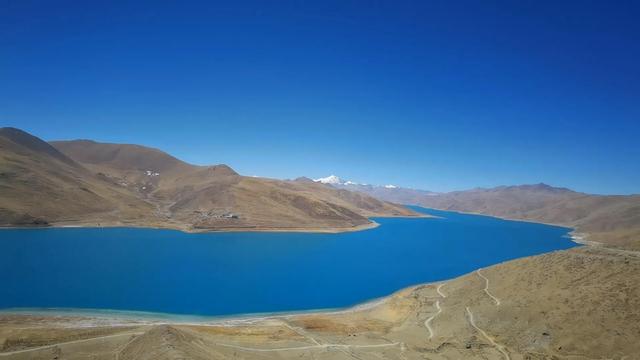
x,y
238,273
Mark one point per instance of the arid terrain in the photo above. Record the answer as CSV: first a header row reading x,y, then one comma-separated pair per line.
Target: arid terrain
x,y
94,184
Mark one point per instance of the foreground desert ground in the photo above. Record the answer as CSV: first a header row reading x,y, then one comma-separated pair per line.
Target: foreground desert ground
x,y
582,303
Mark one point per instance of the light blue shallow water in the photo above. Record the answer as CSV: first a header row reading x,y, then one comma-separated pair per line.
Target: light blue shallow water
x,y
239,273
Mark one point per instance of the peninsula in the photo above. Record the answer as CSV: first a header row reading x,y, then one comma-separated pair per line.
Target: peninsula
x,y
85,183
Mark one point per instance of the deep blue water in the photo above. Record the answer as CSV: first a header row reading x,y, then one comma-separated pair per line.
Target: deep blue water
x,y
232,273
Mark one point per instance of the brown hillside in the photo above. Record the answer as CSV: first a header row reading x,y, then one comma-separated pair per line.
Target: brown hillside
x,y
614,220
216,197
88,183
40,185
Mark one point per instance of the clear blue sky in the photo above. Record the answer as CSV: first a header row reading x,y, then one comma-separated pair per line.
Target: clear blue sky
x,y
439,95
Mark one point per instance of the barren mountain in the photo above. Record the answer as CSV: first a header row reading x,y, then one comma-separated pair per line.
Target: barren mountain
x,y
216,197
390,193
611,219
88,183
40,185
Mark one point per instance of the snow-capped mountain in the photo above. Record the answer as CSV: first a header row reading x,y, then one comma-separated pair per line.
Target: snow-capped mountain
x,y
335,180
331,179
387,192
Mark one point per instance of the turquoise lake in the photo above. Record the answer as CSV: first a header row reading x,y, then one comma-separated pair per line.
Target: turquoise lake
x,y
215,274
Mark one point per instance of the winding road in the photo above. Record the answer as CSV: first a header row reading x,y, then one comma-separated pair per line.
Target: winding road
x,y
427,323
486,288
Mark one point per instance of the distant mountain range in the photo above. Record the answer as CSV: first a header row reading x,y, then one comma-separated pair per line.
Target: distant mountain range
x,y
611,219
84,182
389,192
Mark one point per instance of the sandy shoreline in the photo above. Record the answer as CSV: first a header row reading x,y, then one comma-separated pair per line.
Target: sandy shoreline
x,y
186,229
64,225
108,317
580,238
503,217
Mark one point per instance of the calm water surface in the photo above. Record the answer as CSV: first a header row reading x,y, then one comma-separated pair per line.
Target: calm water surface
x,y
238,273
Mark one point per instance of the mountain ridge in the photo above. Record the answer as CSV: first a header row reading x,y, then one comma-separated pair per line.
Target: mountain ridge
x,y
40,184
87,183
28,141
613,220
